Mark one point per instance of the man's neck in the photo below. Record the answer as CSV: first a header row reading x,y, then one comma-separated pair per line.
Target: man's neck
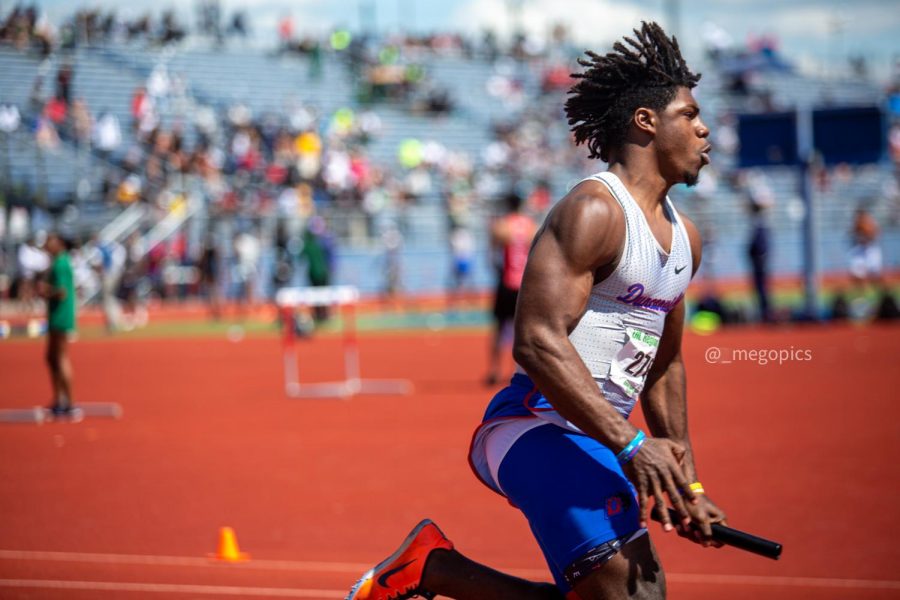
x,y
645,184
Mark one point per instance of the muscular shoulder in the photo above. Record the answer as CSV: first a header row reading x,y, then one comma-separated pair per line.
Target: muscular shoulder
x,y
588,224
696,242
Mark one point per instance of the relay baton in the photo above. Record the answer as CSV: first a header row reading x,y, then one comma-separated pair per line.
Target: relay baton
x,y
737,538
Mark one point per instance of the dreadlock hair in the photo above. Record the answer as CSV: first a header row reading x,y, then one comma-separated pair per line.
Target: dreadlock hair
x,y
646,74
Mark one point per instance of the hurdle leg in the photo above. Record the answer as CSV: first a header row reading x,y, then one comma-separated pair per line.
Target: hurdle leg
x,y
289,351
351,350
352,382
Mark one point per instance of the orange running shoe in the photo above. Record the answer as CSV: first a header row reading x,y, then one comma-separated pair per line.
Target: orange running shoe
x,y
398,576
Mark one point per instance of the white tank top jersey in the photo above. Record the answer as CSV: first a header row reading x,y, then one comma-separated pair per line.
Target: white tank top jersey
x,y
618,335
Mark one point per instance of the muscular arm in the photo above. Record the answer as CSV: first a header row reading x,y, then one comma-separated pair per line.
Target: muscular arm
x,y
581,241
664,398
583,234
664,402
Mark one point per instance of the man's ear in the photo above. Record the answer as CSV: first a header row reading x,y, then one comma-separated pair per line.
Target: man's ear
x,y
645,120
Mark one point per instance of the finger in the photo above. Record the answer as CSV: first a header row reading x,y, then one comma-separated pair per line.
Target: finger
x,y
704,526
643,503
661,507
677,501
697,537
684,531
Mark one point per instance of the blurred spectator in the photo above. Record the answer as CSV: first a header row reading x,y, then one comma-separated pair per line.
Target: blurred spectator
x,y
107,257
238,24
143,113
133,285
10,119
64,83
894,143
172,31
82,123
286,31
392,267
511,237
865,253
283,272
87,283
23,30
245,268
318,252
59,291
462,252
540,199
760,201
31,262
107,134
209,17
209,276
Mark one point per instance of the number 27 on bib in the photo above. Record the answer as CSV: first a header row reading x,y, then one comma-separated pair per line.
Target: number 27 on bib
x,y
630,367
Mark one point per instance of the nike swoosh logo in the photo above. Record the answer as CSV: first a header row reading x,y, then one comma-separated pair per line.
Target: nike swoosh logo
x,y
383,580
677,270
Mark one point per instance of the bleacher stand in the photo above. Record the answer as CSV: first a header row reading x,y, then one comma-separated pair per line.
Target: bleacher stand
x,y
217,136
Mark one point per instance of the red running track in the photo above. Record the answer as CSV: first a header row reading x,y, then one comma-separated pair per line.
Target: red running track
x,y
318,490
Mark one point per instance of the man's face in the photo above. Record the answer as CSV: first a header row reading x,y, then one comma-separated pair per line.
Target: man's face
x,y
681,139
53,245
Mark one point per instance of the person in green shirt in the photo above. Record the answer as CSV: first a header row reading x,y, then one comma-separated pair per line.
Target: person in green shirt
x,y
59,291
318,250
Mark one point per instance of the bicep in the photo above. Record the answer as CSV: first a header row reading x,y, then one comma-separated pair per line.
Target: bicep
x,y
582,234
554,289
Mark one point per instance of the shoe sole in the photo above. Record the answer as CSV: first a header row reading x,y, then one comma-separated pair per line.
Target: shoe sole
x,y
403,547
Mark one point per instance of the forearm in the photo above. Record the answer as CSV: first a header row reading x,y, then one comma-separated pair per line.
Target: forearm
x,y
664,402
49,292
562,377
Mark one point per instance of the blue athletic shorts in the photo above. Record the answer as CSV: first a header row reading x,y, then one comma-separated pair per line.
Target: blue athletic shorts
x,y
579,504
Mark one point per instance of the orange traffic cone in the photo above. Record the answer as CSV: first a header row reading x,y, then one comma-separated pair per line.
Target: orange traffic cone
x,y
228,547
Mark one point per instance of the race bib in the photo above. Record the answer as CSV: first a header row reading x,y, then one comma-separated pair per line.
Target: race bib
x,y
630,367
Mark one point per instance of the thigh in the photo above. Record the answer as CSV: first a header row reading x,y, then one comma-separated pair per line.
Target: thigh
x,y
634,573
504,303
579,504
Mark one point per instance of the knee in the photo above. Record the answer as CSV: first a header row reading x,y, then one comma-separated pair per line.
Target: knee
x,y
633,574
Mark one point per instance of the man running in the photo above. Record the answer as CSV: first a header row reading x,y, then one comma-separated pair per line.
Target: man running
x,y
59,291
598,323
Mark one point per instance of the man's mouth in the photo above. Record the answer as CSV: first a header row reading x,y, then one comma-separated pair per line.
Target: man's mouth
x,y
704,154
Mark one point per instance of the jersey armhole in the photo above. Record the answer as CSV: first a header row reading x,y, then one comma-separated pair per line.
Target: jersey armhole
x,y
618,262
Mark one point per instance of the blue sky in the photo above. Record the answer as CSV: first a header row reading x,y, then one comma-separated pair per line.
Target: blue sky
x,y
813,33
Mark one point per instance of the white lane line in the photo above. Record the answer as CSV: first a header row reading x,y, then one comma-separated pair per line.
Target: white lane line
x,y
358,568
171,588
815,582
185,561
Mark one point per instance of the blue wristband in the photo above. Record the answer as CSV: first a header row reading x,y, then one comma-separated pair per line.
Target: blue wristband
x,y
632,448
